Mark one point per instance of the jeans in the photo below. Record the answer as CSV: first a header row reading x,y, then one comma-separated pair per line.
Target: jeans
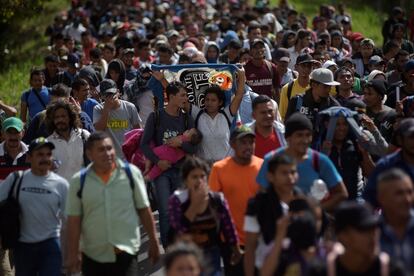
x,y
165,185
125,265
213,258
40,258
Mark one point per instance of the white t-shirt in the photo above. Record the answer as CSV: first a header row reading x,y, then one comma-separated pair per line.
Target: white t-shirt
x,y
251,224
215,144
69,153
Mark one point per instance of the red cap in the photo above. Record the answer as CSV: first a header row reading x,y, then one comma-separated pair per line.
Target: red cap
x,y
356,37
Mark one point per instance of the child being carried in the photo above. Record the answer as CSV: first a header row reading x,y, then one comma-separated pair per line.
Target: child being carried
x,y
171,154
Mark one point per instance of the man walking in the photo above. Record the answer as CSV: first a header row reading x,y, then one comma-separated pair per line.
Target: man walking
x,y
115,116
234,176
103,202
67,136
42,196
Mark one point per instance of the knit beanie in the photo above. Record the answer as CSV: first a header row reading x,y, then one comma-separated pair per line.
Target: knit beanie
x,y
296,122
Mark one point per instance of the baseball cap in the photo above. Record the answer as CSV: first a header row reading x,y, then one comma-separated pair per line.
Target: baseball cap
x,y
409,65
172,33
367,41
128,51
257,41
355,215
380,86
107,86
240,132
329,63
374,74
324,76
212,28
40,143
374,60
281,54
235,44
304,58
356,37
12,122
73,60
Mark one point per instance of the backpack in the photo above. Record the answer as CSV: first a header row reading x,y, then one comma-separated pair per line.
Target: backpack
x,y
86,160
203,111
84,171
289,89
315,160
299,103
10,215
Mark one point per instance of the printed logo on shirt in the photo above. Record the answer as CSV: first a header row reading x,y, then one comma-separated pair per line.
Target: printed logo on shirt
x,y
36,190
260,82
117,124
169,134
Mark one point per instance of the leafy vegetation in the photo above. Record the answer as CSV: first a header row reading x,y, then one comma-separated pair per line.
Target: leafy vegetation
x,y
23,43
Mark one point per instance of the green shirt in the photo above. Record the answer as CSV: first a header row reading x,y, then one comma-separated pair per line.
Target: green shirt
x,y
108,212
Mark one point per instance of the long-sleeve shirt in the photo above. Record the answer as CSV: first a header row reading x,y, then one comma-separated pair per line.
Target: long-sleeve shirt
x,y
160,129
178,204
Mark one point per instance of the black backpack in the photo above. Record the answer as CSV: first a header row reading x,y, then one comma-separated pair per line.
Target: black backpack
x,y
10,215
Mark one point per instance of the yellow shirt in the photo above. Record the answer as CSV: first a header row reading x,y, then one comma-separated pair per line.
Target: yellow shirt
x,y
284,101
296,90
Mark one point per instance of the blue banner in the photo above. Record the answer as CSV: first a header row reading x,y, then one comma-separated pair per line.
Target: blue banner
x,y
196,78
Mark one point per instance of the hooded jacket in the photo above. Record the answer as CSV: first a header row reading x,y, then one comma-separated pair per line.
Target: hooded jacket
x,y
208,46
118,66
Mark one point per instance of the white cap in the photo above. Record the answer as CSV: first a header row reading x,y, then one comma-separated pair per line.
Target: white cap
x,y
329,63
324,76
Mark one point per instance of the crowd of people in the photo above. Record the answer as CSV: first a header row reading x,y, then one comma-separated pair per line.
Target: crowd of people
x,y
307,170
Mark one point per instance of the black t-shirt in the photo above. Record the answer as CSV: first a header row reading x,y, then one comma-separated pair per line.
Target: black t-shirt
x,y
308,106
384,120
347,161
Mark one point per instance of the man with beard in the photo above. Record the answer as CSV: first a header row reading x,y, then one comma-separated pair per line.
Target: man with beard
x,y
63,122
12,150
42,197
234,176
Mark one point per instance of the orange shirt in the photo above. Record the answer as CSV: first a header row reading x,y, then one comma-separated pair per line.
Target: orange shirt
x,y
238,184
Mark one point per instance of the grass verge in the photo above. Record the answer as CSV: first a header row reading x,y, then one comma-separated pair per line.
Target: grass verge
x,y
26,49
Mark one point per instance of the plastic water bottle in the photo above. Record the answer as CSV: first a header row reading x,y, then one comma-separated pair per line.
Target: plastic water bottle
x,y
318,189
